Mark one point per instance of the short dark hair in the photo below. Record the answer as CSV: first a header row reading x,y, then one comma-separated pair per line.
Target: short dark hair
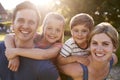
x,y
82,19
26,5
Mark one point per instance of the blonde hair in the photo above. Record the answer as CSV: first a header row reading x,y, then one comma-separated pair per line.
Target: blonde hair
x,y
54,15
109,30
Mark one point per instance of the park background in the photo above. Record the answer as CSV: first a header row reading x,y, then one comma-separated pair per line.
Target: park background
x,y
100,10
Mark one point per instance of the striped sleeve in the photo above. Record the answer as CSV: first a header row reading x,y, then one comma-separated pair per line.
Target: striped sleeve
x,y
66,50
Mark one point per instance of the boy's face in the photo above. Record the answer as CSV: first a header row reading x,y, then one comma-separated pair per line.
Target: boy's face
x,y
80,34
53,30
25,24
101,46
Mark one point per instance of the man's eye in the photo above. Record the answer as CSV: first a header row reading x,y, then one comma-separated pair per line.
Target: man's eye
x,y
20,20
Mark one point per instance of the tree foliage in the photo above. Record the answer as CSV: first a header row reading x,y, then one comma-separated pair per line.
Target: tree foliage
x,y
100,10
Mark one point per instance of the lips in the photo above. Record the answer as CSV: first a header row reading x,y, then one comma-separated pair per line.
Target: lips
x,y
51,37
25,33
99,54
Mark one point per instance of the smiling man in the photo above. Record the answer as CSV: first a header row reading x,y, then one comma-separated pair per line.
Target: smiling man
x,y
25,23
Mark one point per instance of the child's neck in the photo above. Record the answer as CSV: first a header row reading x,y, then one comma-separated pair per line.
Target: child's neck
x,y
44,43
83,45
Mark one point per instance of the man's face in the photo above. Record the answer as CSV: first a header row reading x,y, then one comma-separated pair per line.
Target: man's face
x,y
25,24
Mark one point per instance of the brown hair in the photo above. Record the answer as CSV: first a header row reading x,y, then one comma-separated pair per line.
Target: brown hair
x,y
109,30
26,5
82,19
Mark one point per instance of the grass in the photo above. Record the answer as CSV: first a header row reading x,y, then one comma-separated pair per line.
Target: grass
x,y
2,35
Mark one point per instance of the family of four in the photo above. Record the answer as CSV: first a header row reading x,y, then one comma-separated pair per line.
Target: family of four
x,y
26,55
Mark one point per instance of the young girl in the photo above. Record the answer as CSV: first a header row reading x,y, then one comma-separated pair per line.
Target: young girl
x,y
47,44
103,44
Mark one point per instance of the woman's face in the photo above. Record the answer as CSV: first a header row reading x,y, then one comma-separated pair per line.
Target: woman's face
x,y
101,46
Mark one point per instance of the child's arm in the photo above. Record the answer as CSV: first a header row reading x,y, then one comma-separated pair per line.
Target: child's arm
x,y
66,60
35,53
71,59
9,43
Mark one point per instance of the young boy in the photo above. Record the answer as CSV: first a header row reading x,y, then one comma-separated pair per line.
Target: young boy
x,y
76,48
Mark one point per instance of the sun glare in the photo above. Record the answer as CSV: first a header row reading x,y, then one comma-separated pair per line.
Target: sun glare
x,y
42,2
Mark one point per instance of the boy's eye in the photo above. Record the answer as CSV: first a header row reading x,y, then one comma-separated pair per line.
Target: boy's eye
x,y
75,31
84,30
49,28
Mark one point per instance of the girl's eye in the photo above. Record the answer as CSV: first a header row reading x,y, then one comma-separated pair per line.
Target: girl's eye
x,y
31,22
49,28
58,30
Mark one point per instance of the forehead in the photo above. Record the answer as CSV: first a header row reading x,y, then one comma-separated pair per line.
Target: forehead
x,y
54,22
101,37
80,27
27,14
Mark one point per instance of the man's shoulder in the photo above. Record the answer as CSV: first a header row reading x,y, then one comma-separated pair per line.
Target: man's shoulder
x,y
2,45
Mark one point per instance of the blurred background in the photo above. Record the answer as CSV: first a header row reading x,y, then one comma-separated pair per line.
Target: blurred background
x,y
100,10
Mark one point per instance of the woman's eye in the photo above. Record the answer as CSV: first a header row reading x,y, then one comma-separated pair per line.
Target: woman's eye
x,y
94,43
105,44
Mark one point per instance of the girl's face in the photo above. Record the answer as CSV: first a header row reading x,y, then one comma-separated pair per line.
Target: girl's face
x,y
53,30
101,46
80,34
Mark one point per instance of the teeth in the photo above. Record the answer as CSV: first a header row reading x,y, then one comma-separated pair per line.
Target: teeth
x,y
25,32
52,37
99,55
